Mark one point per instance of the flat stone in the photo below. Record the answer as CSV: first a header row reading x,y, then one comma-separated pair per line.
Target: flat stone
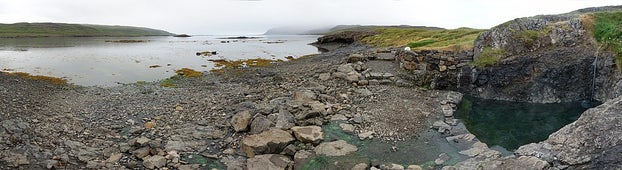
x,y
442,158
304,96
338,117
324,76
114,158
366,135
284,120
447,110
441,126
271,141
391,166
175,146
142,141
336,148
345,68
269,161
15,160
154,162
348,128
308,134
241,120
414,167
260,124
360,166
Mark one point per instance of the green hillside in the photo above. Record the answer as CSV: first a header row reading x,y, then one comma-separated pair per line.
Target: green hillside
x,y
74,30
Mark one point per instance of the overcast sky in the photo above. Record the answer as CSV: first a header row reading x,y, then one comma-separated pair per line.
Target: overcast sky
x,y
256,16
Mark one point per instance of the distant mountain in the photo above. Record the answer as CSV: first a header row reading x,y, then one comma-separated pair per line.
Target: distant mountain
x,y
298,31
328,29
75,30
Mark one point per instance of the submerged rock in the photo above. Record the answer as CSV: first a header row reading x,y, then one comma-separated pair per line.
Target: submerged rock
x,y
336,148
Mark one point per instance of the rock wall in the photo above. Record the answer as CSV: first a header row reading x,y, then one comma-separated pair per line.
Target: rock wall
x,y
546,59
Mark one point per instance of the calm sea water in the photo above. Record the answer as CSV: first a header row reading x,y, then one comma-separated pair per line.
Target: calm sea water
x,y
92,61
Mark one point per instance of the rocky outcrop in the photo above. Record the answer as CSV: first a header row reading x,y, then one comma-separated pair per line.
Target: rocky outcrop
x,y
336,40
544,59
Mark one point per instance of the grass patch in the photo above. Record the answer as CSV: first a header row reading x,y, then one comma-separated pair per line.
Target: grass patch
x,y
607,30
421,38
489,57
53,80
188,73
169,82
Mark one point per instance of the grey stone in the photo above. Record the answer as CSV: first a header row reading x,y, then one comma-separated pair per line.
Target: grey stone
x,y
284,120
442,158
414,167
260,124
304,96
269,161
345,68
154,162
391,166
360,166
441,126
16,159
324,76
241,120
271,141
348,128
175,146
308,134
366,135
336,148
338,117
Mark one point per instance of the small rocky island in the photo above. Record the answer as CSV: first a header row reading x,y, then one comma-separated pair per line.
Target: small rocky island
x,y
317,111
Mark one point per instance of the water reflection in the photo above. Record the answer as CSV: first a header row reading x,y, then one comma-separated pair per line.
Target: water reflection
x,y
93,61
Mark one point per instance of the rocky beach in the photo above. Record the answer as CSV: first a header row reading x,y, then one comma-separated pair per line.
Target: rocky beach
x,y
280,116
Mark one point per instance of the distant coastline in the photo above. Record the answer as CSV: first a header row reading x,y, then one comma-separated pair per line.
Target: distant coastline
x,y
24,30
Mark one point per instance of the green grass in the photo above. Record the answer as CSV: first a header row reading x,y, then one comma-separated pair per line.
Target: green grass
x,y
422,38
608,31
489,57
74,30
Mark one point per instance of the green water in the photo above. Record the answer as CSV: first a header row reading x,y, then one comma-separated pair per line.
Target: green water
x,y
512,124
422,150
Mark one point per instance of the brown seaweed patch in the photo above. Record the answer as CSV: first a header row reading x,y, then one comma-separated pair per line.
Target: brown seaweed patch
x,y
53,80
186,72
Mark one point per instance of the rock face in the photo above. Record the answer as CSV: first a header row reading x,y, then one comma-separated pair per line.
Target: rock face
x,y
336,148
270,161
271,141
308,134
544,59
594,139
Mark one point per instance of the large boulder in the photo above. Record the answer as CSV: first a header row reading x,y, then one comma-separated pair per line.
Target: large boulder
x,y
308,134
270,161
271,141
336,148
594,140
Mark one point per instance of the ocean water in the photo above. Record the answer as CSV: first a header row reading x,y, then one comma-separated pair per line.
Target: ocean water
x,y
95,61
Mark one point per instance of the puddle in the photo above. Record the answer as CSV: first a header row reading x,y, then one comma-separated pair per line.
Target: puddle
x,y
513,124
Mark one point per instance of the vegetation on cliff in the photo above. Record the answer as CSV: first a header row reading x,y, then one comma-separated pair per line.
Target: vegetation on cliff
x,y
608,31
74,30
423,38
